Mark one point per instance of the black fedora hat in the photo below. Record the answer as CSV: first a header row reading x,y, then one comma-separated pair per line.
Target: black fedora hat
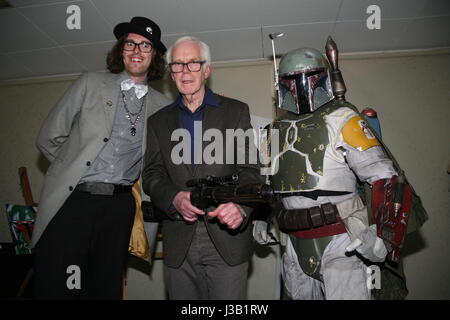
x,y
144,27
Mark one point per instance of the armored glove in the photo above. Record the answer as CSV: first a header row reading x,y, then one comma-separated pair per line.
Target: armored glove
x,y
261,232
369,245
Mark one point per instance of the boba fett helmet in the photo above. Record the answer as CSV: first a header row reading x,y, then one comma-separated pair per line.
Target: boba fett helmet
x,y
304,81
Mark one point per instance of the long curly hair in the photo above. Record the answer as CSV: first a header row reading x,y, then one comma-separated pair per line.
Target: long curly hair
x,y
114,61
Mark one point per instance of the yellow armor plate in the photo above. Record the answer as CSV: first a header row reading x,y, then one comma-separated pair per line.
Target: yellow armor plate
x,y
357,134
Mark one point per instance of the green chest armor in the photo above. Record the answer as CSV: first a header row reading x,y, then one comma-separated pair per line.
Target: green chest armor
x,y
302,140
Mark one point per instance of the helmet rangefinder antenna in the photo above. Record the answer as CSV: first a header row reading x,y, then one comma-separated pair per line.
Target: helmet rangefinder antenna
x,y
273,36
337,81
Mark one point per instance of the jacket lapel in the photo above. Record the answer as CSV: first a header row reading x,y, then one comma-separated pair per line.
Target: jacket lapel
x,y
212,119
174,122
149,107
110,94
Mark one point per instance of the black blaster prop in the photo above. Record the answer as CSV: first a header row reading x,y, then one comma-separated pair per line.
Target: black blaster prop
x,y
151,213
391,203
212,191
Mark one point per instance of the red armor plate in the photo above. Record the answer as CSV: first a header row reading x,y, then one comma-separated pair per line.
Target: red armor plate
x,y
391,226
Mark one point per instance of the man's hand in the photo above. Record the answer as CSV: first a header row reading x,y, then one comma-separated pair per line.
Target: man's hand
x,y
182,202
229,214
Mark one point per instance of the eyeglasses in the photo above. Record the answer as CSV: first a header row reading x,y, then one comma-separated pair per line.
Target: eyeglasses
x,y
192,66
143,46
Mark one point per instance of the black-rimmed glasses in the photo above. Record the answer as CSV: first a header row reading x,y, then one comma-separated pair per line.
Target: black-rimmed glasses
x,y
144,46
193,66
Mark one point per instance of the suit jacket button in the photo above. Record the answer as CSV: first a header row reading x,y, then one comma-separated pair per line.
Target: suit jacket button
x,y
105,140
88,163
70,188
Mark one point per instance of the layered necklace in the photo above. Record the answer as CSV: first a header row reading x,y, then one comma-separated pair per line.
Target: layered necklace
x,y
130,114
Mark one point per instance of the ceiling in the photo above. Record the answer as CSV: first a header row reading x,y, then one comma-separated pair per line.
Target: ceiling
x,y
35,40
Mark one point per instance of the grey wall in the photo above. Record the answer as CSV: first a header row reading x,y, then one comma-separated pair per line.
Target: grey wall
x,y
410,91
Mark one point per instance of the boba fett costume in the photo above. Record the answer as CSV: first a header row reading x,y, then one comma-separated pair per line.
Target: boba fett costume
x,y
326,147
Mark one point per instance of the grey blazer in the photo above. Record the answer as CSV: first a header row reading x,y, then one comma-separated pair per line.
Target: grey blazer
x,y
162,180
74,133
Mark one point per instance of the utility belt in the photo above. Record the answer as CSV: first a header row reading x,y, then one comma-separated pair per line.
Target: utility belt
x,y
315,222
101,188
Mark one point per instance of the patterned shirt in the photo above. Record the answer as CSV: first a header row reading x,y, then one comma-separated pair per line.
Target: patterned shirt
x,y
120,160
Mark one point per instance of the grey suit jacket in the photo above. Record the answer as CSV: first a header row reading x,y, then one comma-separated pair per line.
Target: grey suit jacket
x,y
163,179
74,133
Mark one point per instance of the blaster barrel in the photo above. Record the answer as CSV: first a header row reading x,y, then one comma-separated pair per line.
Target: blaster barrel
x,y
212,181
242,194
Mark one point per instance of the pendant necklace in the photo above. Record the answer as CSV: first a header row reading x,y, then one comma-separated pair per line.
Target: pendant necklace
x,y
131,114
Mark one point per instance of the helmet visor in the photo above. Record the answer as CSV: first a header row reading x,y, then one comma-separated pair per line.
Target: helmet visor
x,y
305,92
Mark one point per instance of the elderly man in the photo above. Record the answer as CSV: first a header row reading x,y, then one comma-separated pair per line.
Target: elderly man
x,y
206,252
94,139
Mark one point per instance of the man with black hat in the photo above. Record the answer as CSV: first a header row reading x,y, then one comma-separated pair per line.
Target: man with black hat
x,y
94,140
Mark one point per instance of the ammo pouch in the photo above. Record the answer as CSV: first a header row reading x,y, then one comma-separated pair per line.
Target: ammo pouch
x,y
308,218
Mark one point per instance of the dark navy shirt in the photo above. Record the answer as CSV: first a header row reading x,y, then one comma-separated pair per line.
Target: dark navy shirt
x,y
188,117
